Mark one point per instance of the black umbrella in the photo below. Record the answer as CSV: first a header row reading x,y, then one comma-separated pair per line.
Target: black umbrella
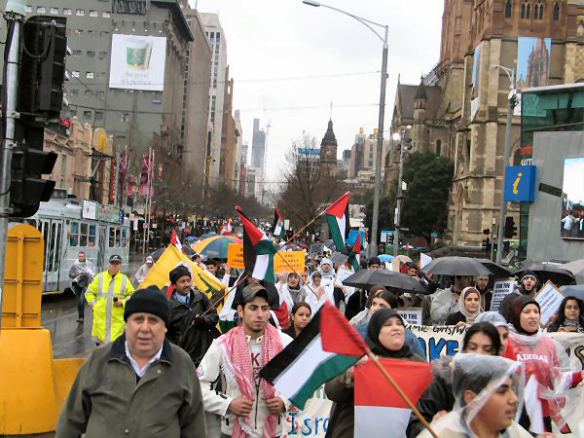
x,y
549,271
455,266
366,278
576,291
497,270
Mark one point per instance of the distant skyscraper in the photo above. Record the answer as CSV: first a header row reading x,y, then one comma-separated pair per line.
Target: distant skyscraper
x,y
258,146
244,149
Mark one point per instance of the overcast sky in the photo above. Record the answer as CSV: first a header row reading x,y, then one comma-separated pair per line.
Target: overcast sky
x,y
290,61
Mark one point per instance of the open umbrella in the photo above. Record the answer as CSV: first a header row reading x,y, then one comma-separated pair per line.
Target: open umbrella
x,y
367,278
497,270
549,271
577,268
215,246
576,291
456,266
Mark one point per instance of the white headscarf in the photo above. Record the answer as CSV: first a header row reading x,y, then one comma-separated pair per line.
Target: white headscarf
x,y
470,316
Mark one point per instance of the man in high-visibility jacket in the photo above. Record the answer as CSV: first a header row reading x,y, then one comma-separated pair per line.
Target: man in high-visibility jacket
x,y
107,295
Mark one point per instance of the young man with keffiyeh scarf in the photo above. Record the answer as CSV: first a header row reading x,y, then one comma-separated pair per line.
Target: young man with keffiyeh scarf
x,y
249,406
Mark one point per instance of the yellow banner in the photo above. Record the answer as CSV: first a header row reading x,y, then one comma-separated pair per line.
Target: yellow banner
x,y
284,261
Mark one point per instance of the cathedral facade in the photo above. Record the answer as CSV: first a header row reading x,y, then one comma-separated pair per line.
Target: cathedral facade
x,y
459,109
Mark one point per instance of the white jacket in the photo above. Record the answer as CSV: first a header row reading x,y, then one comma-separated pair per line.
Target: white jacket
x,y
442,306
211,372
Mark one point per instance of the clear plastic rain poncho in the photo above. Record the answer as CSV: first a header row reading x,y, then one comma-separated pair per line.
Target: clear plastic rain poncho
x,y
483,376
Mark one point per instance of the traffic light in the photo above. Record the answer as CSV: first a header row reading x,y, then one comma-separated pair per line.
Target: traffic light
x,y
40,98
510,229
42,68
487,244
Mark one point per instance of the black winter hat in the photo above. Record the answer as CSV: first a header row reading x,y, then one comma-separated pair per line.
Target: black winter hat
x,y
178,272
149,300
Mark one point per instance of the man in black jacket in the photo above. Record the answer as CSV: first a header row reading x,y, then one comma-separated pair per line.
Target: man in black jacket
x,y
191,325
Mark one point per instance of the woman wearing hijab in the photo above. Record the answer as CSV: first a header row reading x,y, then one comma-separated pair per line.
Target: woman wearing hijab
x,y
502,327
545,363
469,307
386,338
316,293
570,316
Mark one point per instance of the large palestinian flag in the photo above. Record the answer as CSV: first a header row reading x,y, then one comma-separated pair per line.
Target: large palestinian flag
x,y
337,217
278,225
258,250
355,254
327,347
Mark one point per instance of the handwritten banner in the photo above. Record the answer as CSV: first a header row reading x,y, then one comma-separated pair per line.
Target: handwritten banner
x,y
284,261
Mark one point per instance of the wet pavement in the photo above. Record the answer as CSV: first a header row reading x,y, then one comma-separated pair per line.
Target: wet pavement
x,y
59,316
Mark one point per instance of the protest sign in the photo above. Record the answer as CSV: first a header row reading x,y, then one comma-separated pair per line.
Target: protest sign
x,y
549,299
412,315
313,420
438,340
500,290
284,261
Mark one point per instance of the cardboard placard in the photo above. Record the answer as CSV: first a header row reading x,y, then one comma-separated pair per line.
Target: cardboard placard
x,y
424,260
549,298
294,260
500,290
411,315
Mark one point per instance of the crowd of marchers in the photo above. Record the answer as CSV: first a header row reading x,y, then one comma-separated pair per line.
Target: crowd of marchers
x,y
164,367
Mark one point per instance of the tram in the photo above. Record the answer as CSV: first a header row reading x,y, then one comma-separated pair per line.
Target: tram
x,y
70,226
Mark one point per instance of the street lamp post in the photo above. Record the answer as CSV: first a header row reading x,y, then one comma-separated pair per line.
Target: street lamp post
x,y
508,127
404,146
379,153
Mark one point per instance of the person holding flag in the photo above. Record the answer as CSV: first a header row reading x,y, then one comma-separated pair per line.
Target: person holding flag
x,y
249,405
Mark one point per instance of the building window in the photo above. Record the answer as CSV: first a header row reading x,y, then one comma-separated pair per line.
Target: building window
x,y
438,147
88,93
105,14
99,116
508,8
91,54
75,73
538,10
104,33
93,14
41,10
67,11
102,55
76,52
80,12
28,8
556,13
157,97
100,94
87,115
74,92
89,33
89,75
525,9
54,11
73,110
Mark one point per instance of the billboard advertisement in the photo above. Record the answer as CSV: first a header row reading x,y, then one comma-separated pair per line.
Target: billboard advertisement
x,y
573,199
533,61
137,62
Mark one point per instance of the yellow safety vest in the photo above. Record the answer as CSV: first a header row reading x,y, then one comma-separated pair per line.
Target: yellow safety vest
x,y
108,320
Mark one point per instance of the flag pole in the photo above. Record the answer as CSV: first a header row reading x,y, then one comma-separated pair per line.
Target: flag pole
x,y
401,393
215,303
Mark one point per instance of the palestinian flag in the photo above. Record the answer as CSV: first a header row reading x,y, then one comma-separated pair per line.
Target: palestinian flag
x,y
379,409
355,254
174,240
337,217
278,225
326,348
258,250
226,228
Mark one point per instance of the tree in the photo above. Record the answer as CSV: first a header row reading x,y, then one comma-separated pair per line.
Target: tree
x,y
425,203
307,188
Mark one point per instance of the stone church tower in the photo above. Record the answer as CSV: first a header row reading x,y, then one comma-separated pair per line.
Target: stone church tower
x,y
465,107
328,151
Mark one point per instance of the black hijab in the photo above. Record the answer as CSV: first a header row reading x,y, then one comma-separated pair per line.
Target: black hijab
x,y
376,323
517,306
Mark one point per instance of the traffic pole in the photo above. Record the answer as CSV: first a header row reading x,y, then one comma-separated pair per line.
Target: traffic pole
x,y
14,17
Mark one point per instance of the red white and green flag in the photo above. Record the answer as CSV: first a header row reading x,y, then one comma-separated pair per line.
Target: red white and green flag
x,y
337,217
278,225
258,250
379,409
355,255
326,348
174,240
